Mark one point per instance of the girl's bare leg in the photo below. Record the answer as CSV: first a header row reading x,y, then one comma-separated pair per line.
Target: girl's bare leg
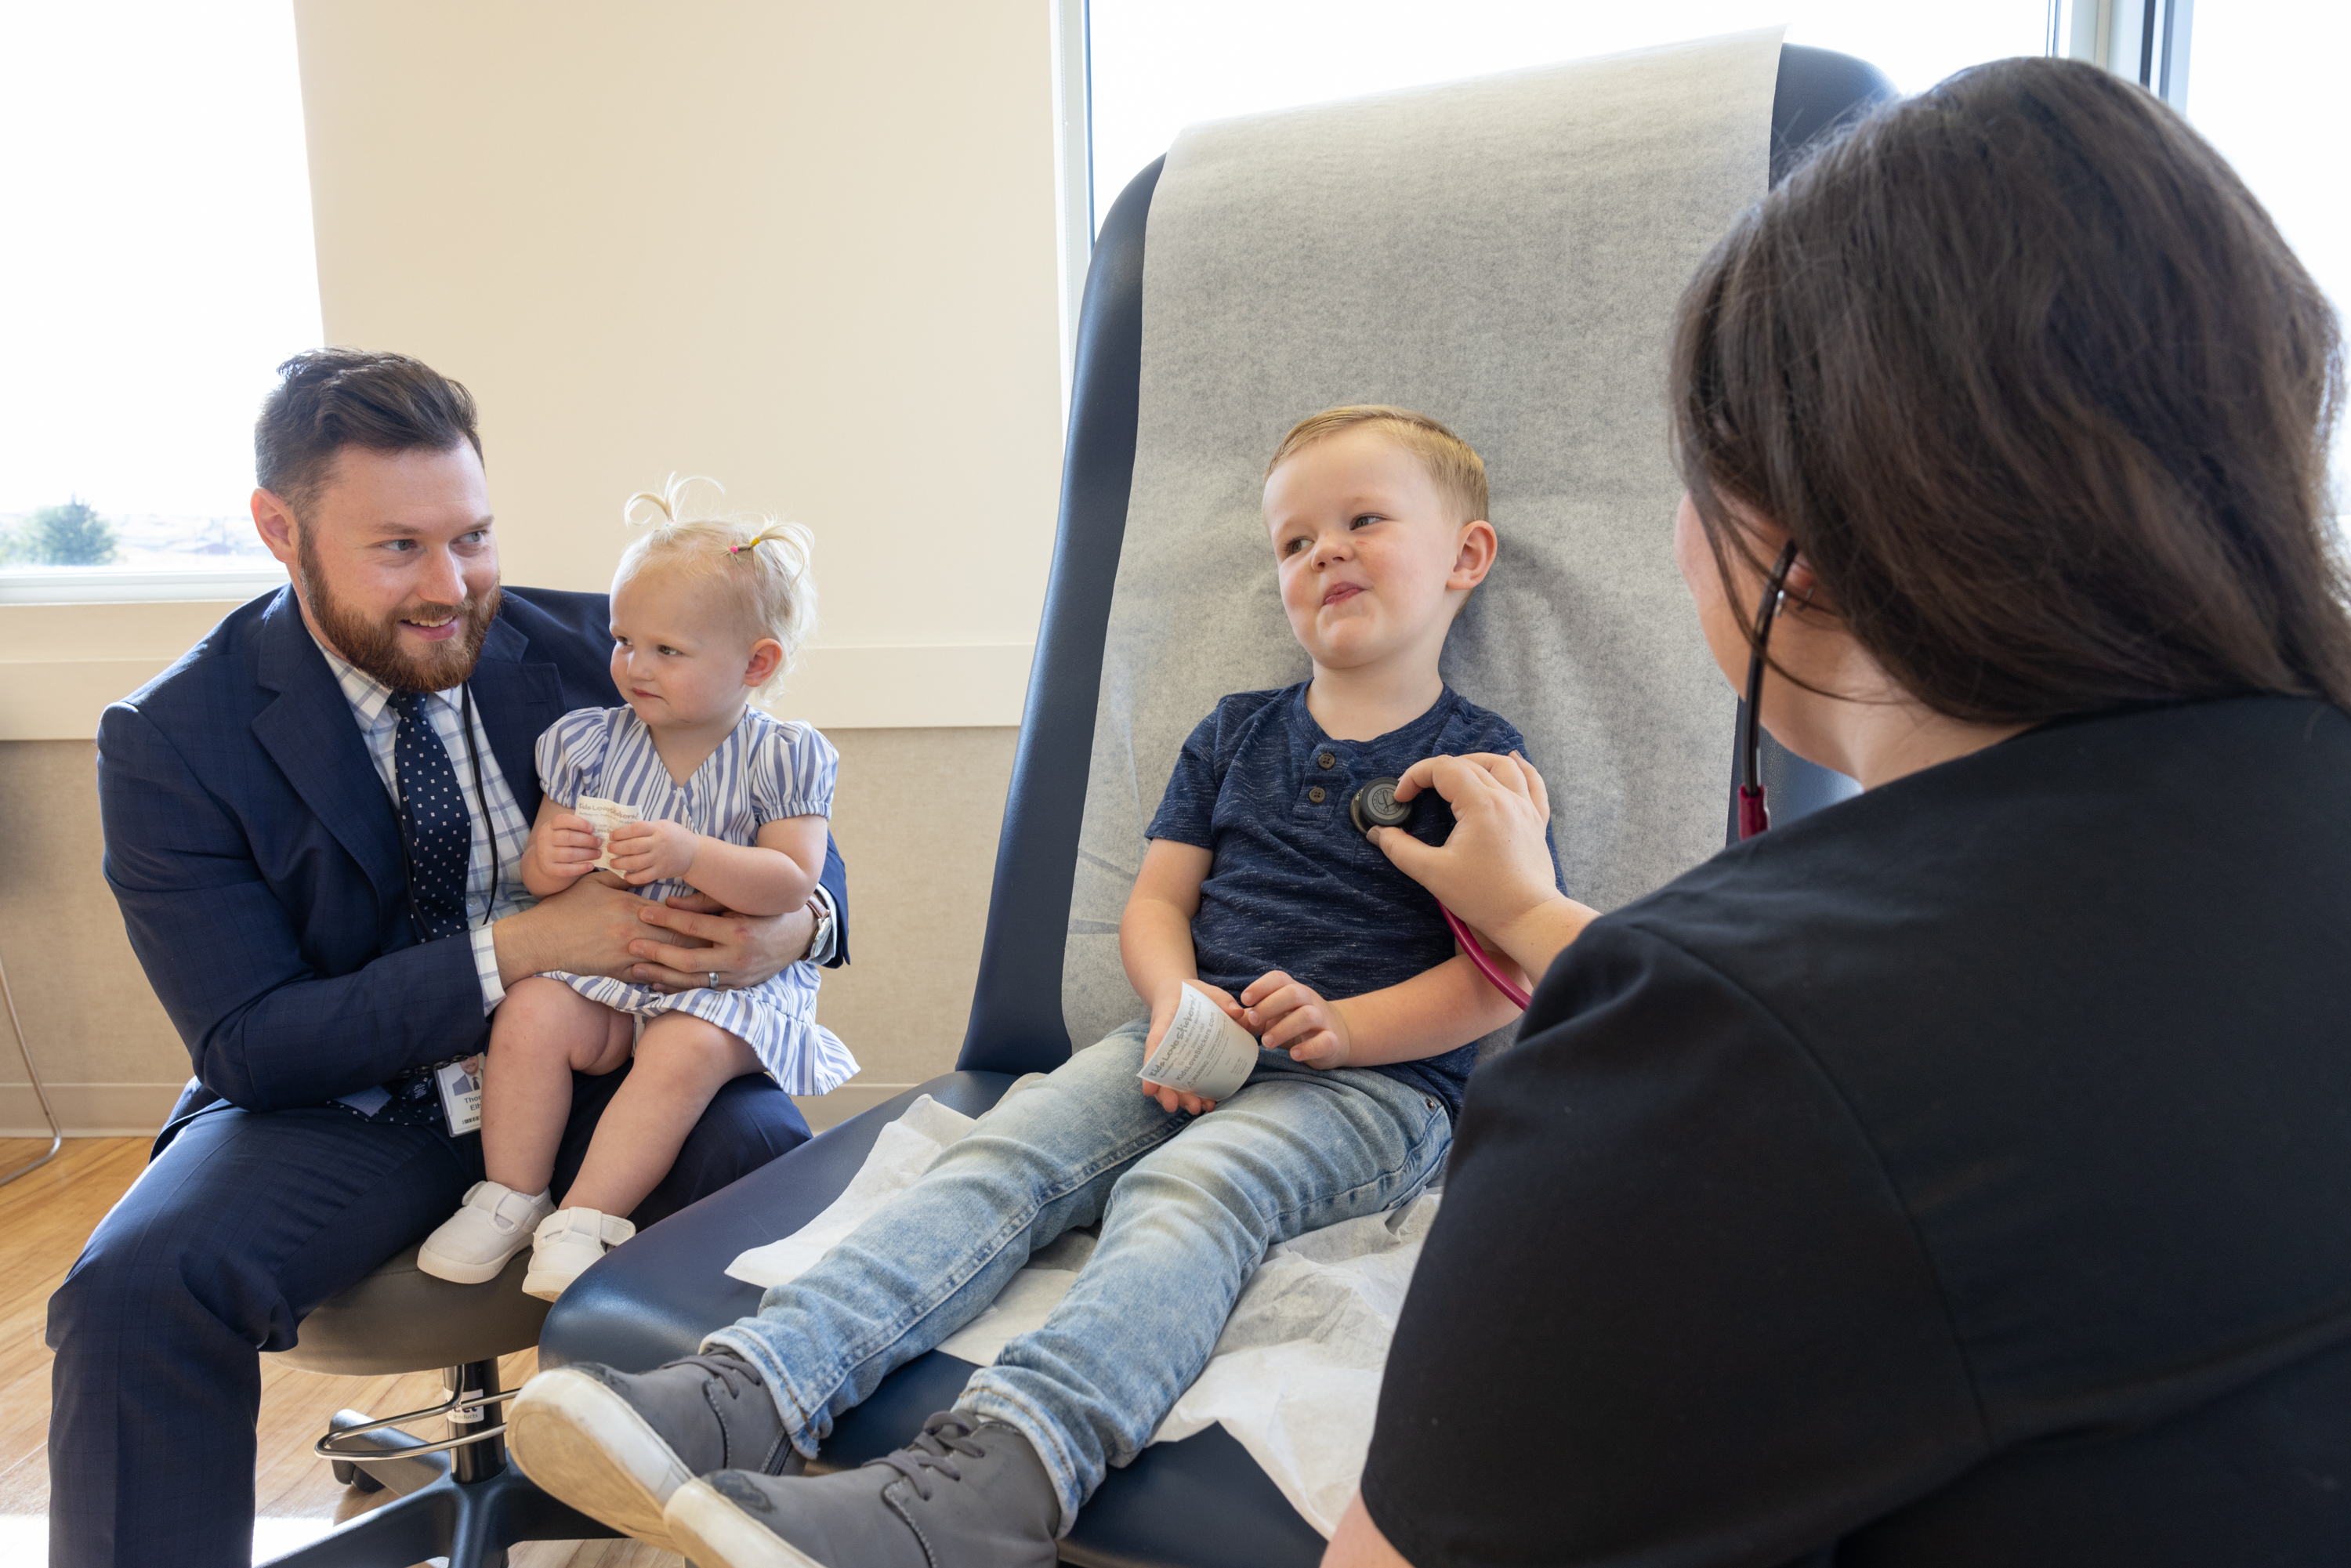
x,y
682,1061
542,1033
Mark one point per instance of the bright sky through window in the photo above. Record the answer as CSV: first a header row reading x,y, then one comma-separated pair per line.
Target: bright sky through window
x,y
1158,68
159,263
2261,79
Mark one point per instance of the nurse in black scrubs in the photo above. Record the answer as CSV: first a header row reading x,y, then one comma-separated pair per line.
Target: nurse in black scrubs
x,y
1960,1175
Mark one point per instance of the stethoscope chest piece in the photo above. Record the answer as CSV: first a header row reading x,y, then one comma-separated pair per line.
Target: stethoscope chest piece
x,y
1375,806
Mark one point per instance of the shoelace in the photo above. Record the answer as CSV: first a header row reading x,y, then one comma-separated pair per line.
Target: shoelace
x,y
731,1370
943,1438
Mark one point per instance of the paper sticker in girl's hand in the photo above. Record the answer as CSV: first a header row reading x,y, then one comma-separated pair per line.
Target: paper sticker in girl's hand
x,y
604,816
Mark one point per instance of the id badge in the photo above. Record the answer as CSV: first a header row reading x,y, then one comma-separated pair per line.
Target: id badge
x,y
461,1095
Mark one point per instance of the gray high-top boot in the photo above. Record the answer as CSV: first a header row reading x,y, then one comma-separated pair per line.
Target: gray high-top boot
x,y
967,1493
615,1445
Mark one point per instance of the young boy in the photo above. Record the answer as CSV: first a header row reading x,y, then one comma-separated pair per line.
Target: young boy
x,y
1256,881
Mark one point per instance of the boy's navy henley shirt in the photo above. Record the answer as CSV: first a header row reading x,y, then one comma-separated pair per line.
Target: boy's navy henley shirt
x,y
1294,885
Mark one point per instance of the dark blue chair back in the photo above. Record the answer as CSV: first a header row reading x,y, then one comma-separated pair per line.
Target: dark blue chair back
x,y
1016,1015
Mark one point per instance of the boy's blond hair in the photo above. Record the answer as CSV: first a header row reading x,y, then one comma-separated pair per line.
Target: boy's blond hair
x,y
758,565
1459,471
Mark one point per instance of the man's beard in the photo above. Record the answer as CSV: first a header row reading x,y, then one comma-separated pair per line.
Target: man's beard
x,y
374,645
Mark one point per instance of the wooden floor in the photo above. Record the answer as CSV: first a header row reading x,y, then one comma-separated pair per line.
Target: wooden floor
x,y
44,1220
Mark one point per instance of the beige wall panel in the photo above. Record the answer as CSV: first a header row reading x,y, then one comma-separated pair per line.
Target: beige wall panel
x,y
807,248
916,815
85,1004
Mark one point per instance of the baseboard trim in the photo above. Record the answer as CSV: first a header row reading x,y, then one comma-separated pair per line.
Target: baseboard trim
x,y
824,1111
88,1109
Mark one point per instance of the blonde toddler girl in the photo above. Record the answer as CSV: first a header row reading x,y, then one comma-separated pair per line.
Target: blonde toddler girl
x,y
706,612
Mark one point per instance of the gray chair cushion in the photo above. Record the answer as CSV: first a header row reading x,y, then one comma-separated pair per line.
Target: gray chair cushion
x,y
401,1319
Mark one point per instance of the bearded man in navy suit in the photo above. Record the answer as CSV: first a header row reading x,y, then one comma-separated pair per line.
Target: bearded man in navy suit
x,y
255,843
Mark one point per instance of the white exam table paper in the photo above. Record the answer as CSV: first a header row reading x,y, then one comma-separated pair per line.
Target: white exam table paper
x,y
1295,1378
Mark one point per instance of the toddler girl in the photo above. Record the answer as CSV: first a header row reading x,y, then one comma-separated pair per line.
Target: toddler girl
x,y
733,804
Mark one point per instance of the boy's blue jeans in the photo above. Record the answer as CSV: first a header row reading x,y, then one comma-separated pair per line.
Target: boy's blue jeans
x,y
1187,1207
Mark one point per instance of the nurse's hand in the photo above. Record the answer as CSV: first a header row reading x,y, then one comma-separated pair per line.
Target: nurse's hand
x,y
1495,870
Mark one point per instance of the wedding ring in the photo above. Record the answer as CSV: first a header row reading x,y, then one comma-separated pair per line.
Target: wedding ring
x,y
714,980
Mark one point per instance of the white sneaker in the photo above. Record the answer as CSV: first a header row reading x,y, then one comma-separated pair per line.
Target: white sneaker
x,y
567,1241
493,1225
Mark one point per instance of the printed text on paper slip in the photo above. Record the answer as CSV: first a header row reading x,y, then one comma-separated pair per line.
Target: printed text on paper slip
x,y
1204,1051
604,816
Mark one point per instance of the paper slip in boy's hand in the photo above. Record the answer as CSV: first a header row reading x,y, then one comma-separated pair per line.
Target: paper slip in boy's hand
x,y
1204,1051
604,816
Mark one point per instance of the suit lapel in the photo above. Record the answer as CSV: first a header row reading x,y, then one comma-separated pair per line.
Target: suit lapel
x,y
309,733
517,700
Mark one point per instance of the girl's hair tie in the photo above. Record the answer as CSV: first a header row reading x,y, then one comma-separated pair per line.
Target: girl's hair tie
x,y
752,543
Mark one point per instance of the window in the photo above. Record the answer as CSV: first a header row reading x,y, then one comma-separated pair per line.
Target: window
x,y
1156,68
2261,87
2261,90
159,263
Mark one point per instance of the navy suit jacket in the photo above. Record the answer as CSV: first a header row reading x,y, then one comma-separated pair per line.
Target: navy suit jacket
x,y
257,856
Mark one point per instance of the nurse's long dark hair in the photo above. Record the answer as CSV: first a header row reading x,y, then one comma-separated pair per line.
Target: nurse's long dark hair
x,y
2042,397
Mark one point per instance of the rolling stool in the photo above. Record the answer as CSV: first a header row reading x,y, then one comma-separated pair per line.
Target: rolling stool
x,y
459,1497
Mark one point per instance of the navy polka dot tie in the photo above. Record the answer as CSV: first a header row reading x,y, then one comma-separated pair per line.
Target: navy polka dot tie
x,y
440,830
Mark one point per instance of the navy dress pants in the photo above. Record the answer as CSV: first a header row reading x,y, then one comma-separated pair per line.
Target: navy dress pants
x,y
241,1224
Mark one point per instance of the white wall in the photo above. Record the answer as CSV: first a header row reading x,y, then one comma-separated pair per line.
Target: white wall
x,y
808,248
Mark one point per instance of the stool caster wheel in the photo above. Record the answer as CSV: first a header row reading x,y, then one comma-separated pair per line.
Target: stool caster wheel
x,y
350,1475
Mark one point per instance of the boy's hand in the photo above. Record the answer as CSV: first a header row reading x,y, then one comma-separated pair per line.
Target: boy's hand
x,y
1286,1015
1163,1013
565,845
653,852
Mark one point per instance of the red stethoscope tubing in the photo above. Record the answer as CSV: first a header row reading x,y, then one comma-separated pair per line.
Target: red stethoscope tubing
x,y
1747,795
1479,956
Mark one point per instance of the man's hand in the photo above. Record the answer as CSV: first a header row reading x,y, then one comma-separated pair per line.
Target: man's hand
x,y
1287,1015
1162,1012
589,928
655,852
743,950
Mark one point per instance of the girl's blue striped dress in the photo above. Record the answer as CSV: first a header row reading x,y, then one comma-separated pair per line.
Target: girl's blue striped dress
x,y
766,769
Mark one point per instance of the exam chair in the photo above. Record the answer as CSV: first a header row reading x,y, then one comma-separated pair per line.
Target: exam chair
x,y
1201,1500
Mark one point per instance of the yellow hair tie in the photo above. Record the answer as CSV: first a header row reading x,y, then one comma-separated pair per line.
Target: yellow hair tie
x,y
754,542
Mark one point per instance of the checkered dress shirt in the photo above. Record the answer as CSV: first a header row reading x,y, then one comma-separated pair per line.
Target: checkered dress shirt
x,y
507,834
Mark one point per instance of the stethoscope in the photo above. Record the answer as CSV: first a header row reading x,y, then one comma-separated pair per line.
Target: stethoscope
x,y
482,800
1375,805
1747,795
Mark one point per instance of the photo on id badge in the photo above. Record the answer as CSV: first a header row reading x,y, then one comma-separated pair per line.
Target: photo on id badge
x,y
460,1094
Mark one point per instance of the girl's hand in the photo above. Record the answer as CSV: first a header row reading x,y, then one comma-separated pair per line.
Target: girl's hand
x,y
566,846
1287,1015
1163,1013
655,852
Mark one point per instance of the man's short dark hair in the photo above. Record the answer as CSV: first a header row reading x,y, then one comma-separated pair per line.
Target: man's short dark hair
x,y
327,399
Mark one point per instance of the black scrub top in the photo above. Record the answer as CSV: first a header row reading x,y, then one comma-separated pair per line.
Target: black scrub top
x,y
1959,1176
